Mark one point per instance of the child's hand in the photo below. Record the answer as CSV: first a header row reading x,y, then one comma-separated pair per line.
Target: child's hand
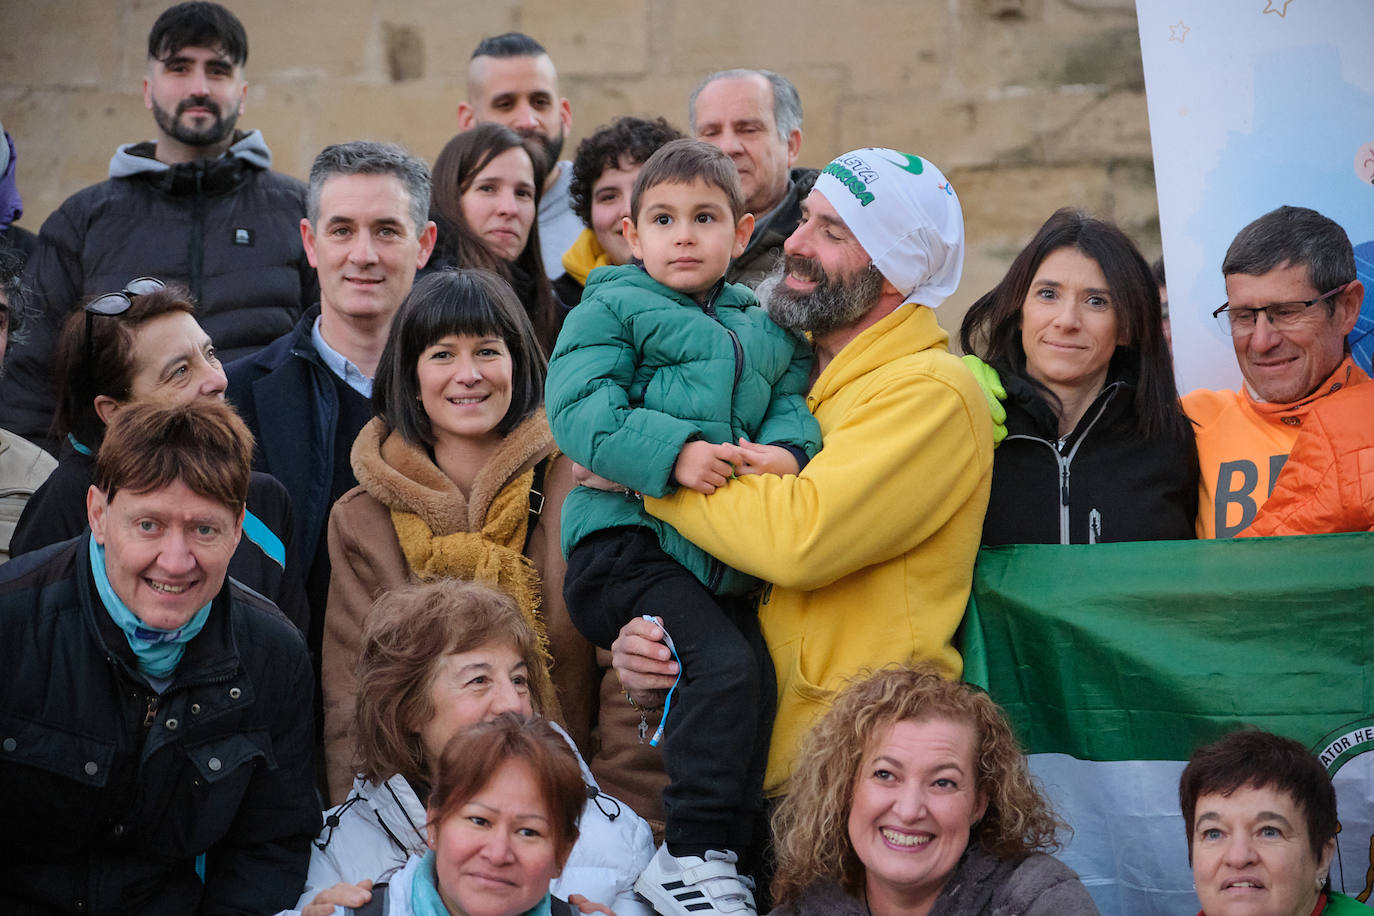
x,y
703,467
765,459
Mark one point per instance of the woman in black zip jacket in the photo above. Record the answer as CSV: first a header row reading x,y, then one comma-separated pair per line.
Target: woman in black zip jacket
x,y
1097,447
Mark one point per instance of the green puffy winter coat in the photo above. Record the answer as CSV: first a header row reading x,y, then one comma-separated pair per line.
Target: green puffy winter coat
x,y
640,370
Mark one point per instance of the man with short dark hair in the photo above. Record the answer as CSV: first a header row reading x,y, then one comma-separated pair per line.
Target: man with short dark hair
x,y
512,81
755,117
1292,298
157,753
308,394
198,205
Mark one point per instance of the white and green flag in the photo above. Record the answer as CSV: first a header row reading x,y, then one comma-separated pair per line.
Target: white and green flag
x,y
1115,661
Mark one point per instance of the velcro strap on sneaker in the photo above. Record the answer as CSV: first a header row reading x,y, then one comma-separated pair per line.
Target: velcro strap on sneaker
x,y
695,874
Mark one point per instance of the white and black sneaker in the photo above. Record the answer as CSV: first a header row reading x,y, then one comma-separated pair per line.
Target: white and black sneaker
x,y
693,886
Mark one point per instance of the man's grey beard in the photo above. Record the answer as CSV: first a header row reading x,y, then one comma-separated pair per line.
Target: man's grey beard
x,y
834,303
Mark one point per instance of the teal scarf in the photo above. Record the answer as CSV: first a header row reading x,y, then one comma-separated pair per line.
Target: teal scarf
x,y
159,651
424,893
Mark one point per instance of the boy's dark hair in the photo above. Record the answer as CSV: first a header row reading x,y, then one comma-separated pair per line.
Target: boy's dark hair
x,y
511,44
684,161
198,25
1261,760
634,138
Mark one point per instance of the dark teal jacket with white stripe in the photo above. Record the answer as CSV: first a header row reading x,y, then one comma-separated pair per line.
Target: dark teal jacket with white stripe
x,y
640,370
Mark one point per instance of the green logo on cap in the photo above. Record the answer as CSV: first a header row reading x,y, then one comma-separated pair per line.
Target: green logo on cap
x,y
914,165
851,182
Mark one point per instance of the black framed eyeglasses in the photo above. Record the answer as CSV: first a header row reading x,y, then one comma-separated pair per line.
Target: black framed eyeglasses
x,y
1283,316
112,304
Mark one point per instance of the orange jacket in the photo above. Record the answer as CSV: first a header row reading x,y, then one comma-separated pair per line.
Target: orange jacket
x,y
1242,444
1328,483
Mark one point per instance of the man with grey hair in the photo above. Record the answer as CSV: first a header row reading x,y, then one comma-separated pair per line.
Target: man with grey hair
x,y
755,117
307,395
198,205
1292,298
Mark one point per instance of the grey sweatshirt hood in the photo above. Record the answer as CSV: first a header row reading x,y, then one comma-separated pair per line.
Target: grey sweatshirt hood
x,y
139,158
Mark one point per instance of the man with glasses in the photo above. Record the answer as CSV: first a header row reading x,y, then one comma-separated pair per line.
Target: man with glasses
x,y
198,204
1292,297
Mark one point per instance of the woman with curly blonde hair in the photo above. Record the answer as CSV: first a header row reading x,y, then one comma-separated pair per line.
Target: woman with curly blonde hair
x,y
912,797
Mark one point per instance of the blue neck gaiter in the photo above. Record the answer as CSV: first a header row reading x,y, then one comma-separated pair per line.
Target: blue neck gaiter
x,y
159,651
425,899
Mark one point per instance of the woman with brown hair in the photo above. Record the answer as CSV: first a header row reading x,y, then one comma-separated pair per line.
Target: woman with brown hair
x,y
487,184
912,798
436,659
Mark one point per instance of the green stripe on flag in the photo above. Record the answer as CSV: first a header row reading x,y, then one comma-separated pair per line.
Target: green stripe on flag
x,y
1143,651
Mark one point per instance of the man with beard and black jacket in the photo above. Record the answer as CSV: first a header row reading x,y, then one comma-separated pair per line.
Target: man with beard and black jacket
x,y
199,205
755,117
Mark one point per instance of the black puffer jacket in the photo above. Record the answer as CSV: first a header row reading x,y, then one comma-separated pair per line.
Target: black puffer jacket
x,y
1100,483
110,791
229,229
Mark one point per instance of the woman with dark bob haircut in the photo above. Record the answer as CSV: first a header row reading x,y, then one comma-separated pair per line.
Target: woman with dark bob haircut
x,y
487,185
1097,447
458,479
438,659
603,175
1260,812
906,759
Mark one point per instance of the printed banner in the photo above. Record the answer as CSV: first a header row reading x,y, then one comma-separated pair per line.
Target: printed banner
x,y
1115,661
1254,104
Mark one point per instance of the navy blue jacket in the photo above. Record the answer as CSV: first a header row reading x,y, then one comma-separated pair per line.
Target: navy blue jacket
x,y
111,791
285,393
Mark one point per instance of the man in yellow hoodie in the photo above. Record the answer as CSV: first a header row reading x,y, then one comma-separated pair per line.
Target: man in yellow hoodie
x,y
870,549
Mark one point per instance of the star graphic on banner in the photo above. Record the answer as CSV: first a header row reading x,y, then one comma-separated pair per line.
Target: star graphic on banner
x,y
1178,32
1281,8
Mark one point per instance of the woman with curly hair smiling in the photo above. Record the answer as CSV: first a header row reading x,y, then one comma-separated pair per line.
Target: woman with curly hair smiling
x,y
912,797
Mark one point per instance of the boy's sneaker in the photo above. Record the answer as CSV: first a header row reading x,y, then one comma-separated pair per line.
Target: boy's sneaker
x,y
693,886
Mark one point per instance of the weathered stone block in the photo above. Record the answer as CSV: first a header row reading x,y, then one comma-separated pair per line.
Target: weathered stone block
x,y
61,43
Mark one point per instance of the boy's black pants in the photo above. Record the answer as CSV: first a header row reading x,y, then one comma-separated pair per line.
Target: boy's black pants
x,y
716,733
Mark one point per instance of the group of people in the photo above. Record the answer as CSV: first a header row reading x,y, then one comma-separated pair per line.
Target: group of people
x,y
596,532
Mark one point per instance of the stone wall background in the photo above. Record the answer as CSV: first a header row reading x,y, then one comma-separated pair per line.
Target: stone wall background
x,y
1027,105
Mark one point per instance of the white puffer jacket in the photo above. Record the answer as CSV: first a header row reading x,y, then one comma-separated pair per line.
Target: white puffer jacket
x,y
379,826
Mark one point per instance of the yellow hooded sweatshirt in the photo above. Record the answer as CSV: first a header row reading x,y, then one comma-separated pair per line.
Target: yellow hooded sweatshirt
x,y
870,549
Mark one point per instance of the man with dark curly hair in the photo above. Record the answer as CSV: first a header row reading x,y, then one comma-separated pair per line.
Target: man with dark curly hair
x,y
603,174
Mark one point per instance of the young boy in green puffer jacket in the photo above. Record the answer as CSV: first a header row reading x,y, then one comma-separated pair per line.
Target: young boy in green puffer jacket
x,y
664,375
